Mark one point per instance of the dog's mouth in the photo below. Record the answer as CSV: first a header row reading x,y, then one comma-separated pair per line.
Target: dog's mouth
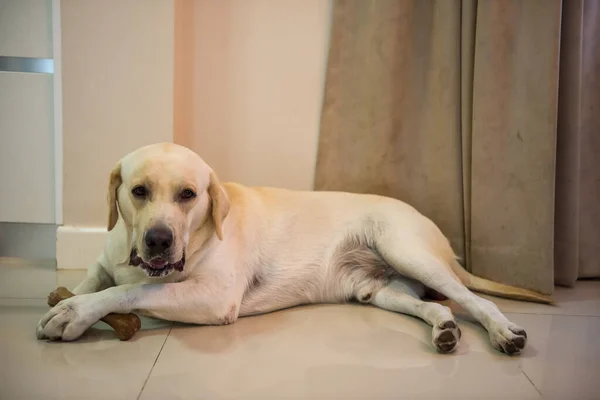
x,y
157,266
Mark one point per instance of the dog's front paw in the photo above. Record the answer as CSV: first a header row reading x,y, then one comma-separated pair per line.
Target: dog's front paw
x,y
68,320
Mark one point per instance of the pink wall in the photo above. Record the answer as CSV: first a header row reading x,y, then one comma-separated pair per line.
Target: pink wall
x,y
249,86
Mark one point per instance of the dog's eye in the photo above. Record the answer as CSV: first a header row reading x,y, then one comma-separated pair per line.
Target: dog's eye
x,y
140,191
187,194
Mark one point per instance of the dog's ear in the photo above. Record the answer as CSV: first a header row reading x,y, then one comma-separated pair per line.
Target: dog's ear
x,y
113,187
220,203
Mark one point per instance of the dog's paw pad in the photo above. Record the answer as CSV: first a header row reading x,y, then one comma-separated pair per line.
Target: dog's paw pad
x,y
511,341
446,336
519,332
448,325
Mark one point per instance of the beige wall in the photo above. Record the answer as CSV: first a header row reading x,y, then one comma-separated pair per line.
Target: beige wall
x,y
249,89
240,82
117,93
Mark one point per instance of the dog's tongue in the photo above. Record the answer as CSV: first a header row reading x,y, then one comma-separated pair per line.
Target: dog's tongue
x,y
158,263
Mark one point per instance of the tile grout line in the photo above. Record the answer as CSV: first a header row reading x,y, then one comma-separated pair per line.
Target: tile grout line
x,y
551,315
43,299
5,298
532,384
155,361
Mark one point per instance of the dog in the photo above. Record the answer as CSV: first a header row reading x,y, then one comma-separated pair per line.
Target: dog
x,y
182,246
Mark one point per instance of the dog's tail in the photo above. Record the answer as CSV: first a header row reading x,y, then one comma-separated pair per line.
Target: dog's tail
x,y
486,286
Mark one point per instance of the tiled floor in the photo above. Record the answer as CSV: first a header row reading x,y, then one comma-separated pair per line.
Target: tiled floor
x,y
316,352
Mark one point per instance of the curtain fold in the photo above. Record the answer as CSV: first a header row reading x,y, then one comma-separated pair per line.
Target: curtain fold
x,y
452,106
467,65
390,122
577,165
515,92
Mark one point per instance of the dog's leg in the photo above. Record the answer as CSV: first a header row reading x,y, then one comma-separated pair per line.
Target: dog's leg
x,y
189,301
96,280
403,296
429,269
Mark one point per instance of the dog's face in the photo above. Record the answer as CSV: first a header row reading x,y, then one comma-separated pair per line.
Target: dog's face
x,y
164,193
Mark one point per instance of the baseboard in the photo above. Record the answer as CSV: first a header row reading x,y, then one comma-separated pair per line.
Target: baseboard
x,y
77,247
27,241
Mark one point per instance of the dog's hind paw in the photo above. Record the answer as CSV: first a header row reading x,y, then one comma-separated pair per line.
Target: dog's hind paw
x,y
509,339
446,336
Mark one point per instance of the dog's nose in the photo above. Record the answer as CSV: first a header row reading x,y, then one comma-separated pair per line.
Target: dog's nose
x,y
158,239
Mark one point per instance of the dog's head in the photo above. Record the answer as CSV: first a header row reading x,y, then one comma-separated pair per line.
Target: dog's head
x,y
164,193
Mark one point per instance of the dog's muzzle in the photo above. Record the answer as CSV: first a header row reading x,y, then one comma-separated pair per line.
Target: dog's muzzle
x,y
153,268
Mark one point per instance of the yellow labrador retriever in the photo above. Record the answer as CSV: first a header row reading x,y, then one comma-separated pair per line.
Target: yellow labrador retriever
x,y
184,247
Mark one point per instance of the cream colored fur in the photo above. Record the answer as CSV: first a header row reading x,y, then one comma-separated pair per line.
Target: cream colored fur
x,y
255,250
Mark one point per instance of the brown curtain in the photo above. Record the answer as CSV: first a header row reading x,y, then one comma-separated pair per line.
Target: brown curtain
x,y
482,114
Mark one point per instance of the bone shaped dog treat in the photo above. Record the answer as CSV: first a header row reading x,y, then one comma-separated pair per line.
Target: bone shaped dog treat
x,y
125,325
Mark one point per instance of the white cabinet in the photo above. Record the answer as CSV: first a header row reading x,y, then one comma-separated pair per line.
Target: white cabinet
x,y
26,148
26,28
30,127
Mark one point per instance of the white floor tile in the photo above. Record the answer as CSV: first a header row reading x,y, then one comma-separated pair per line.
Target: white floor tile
x,y
563,359
329,351
98,366
316,352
